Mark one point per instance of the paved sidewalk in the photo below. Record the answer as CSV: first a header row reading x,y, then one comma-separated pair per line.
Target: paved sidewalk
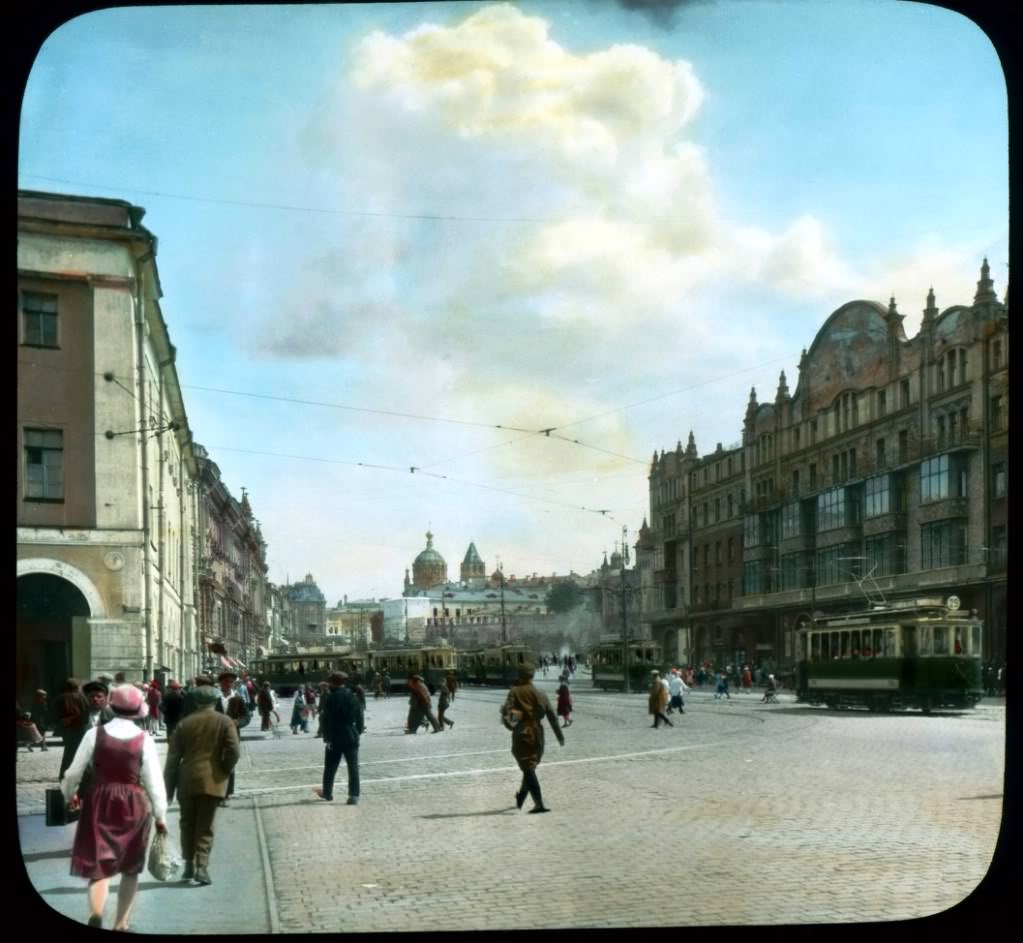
x,y
236,901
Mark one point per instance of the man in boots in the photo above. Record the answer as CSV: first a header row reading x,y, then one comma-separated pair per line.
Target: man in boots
x,y
523,713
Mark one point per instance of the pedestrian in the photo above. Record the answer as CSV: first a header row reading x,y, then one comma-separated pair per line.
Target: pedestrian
x,y
355,683
190,702
564,702
173,705
677,688
265,706
747,680
451,681
387,684
153,699
201,758
41,714
71,720
658,700
297,707
770,691
420,706
235,708
113,831
443,702
722,687
522,713
27,730
378,686
343,724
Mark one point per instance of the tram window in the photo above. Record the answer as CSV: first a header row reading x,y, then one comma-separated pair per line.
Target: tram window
x,y
877,642
940,640
924,640
845,644
975,641
815,646
958,647
855,643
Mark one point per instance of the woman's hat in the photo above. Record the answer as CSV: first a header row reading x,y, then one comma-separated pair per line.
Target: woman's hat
x,y
227,674
127,702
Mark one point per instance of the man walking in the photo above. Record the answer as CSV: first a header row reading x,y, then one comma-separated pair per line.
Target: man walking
x,y
265,705
658,700
676,688
522,713
71,720
202,753
235,707
343,723
173,704
420,705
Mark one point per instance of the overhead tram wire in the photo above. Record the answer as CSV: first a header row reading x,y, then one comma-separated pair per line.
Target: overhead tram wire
x,y
416,470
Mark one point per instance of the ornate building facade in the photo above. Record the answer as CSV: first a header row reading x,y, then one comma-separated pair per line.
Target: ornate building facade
x,y
884,474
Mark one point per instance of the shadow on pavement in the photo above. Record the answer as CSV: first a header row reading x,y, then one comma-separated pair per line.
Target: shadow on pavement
x,y
43,855
466,815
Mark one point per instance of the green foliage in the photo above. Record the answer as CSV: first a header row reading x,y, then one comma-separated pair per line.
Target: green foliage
x,y
564,597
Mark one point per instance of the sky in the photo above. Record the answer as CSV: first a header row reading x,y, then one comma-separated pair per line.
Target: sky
x,y
417,236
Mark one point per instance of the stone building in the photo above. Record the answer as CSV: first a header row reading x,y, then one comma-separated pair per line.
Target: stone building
x,y
106,465
232,571
884,474
308,612
473,569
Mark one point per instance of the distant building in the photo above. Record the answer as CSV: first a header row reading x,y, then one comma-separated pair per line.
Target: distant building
x,y
308,612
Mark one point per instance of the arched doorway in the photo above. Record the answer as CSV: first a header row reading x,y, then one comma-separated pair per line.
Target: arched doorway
x,y
46,604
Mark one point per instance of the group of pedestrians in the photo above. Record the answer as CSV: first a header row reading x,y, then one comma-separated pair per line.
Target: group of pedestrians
x,y
420,704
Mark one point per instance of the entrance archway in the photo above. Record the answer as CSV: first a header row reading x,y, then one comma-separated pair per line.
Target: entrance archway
x,y
45,606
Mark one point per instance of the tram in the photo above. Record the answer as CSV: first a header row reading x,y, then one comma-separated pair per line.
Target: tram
x,y
923,653
607,663
432,662
500,666
288,672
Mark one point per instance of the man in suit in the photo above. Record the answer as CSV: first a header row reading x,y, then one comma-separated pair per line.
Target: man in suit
x,y
343,722
100,712
200,757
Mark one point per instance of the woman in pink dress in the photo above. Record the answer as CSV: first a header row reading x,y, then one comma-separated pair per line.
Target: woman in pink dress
x,y
564,702
113,832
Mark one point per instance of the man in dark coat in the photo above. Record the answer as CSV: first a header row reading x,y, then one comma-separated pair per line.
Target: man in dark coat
x,y
265,705
343,722
523,713
97,692
70,720
420,706
201,756
173,705
189,701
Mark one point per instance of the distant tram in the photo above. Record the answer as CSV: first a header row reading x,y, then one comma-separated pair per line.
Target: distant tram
x,y
432,662
607,664
923,653
288,672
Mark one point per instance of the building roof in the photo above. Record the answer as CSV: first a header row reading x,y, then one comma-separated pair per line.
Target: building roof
x,y
429,555
472,555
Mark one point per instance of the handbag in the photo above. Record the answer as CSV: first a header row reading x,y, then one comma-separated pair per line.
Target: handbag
x,y
57,811
162,863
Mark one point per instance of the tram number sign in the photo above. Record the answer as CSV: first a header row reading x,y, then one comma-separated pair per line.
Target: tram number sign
x,y
952,603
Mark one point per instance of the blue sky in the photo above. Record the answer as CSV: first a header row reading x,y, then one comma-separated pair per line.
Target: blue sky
x,y
534,215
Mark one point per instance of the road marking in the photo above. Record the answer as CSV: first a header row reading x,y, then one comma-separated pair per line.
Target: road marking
x,y
240,793
404,759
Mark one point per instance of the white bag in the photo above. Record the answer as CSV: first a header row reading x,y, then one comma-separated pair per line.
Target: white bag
x,y
164,864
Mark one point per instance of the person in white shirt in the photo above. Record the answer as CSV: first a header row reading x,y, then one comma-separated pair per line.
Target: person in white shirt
x,y
677,687
112,836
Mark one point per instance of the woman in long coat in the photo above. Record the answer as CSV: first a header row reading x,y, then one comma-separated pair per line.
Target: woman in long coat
x,y
522,713
658,700
565,701
113,831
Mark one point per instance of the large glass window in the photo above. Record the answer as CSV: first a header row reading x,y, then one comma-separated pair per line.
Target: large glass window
x,y
837,564
44,464
751,531
942,543
934,479
877,496
791,571
790,520
885,555
831,509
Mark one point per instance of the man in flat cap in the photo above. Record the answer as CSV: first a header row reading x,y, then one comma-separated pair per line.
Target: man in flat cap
x,y
97,692
343,723
420,706
235,706
201,755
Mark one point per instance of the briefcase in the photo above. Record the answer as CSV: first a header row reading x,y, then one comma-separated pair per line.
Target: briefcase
x,y
57,812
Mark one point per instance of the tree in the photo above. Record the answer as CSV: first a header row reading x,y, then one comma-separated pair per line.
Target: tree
x,y
564,597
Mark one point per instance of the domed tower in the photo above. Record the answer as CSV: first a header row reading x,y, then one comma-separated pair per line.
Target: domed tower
x,y
473,570
429,568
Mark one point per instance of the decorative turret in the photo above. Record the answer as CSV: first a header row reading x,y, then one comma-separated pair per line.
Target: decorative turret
x,y
244,506
783,389
931,311
691,451
803,359
985,287
751,406
473,570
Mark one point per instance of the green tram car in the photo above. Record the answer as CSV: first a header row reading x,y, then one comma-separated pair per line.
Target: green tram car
x,y
288,672
494,666
923,653
432,662
607,664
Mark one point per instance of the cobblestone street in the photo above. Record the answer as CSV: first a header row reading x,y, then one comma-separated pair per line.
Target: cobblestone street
x,y
761,814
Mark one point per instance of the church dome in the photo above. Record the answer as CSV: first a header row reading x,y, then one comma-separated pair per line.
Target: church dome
x,y
429,568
